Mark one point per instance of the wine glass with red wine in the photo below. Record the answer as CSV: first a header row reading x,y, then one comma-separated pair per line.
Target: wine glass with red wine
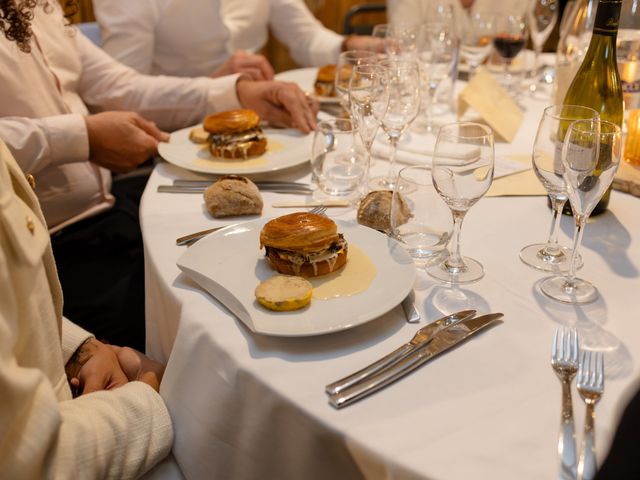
x,y
509,40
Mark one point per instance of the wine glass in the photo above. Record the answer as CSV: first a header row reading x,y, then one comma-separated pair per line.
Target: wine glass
x,y
369,98
475,40
590,156
437,56
337,159
404,103
509,40
462,172
401,41
542,16
344,67
547,165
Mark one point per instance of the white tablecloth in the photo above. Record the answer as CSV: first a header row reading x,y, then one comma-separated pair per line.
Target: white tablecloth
x,y
246,406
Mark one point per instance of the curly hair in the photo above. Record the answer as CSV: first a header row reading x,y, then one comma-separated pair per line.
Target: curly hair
x,y
16,17
15,21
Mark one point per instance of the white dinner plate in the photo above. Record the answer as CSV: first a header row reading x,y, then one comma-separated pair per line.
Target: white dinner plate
x,y
305,78
229,264
285,148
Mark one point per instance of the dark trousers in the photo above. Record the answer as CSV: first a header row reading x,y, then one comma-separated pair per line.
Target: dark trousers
x,y
101,268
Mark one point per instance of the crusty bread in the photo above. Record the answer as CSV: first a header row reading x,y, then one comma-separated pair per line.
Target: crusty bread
x,y
374,210
232,121
241,151
307,269
233,195
300,232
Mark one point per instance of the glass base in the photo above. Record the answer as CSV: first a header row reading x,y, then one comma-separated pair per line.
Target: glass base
x,y
353,198
472,272
535,257
578,291
382,183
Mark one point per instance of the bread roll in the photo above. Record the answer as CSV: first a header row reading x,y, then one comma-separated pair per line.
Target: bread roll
x,y
374,210
233,195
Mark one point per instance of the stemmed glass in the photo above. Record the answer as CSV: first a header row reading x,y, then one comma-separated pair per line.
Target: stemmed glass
x,y
404,103
346,61
591,156
542,16
462,172
510,37
369,98
437,54
401,41
547,165
475,40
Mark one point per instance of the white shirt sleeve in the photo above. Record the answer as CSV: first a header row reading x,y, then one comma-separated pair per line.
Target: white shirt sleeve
x,y
309,42
171,102
39,143
128,30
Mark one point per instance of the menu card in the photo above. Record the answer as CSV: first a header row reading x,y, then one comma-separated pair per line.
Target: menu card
x,y
494,104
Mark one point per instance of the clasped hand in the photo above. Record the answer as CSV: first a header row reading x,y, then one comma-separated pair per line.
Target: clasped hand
x,y
97,366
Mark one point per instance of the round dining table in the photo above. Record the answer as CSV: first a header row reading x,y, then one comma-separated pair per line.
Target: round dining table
x,y
246,405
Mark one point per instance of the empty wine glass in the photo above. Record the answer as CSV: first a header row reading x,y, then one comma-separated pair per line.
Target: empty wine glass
x,y
344,67
404,103
542,16
401,41
437,56
368,98
510,37
590,156
475,40
547,165
462,172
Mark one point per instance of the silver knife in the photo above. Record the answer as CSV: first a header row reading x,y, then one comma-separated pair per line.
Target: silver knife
x,y
409,307
180,182
269,188
441,343
421,338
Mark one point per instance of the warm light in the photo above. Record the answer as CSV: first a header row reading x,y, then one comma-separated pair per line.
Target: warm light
x,y
632,144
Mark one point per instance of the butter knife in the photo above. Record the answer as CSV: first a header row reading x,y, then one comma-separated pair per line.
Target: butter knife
x,y
261,183
442,342
267,188
421,338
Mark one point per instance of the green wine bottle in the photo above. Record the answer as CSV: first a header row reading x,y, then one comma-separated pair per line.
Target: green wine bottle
x,y
597,83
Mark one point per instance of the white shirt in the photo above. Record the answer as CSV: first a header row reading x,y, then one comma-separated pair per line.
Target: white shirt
x,y
175,37
46,93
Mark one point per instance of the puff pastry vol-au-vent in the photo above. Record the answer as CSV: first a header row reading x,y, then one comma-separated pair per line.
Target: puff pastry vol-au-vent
x,y
304,244
234,134
233,195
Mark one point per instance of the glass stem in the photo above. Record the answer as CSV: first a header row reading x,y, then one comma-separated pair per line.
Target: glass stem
x,y
454,262
367,166
552,248
390,179
537,50
577,239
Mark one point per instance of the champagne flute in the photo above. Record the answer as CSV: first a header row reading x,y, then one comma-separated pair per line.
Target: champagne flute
x,y
344,67
369,98
404,103
437,54
475,40
590,156
511,32
462,172
542,16
547,165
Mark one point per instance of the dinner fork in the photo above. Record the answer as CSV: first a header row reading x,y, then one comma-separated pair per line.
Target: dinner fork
x,y
564,360
591,388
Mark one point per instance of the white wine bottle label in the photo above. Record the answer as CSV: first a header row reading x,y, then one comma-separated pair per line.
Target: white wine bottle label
x,y
607,17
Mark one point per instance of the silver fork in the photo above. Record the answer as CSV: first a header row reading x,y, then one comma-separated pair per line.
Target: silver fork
x,y
591,388
564,360
319,210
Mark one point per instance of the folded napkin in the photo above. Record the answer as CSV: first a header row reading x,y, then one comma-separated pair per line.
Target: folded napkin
x,y
417,149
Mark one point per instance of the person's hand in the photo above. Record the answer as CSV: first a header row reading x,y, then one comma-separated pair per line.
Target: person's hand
x,y
120,141
282,104
253,65
138,366
363,42
94,366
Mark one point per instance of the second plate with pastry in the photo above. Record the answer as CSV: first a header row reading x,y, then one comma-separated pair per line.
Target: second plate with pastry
x,y
306,78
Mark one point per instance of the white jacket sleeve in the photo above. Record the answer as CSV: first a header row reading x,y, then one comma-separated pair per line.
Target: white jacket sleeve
x,y
309,42
117,434
171,102
128,30
40,143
